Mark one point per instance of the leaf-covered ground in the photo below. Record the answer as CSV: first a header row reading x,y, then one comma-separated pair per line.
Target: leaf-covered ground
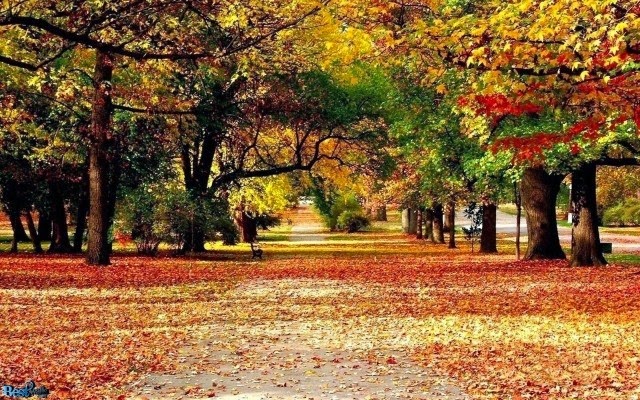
x,y
487,325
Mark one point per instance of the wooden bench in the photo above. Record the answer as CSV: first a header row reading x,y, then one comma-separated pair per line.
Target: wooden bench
x,y
606,247
256,251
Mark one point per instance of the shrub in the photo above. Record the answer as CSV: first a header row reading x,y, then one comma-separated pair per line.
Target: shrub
x,y
352,221
155,214
626,213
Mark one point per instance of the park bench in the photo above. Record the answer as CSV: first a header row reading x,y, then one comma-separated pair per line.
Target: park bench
x,y
256,251
606,247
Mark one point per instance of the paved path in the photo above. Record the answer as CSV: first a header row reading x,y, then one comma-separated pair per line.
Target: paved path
x,y
307,227
506,224
276,354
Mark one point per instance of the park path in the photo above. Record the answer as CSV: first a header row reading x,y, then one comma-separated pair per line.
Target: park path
x,y
307,226
257,348
506,224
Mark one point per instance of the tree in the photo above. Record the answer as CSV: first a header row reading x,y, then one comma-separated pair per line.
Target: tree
x,y
158,30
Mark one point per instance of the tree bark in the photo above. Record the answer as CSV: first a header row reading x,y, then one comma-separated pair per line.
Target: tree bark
x,y
44,225
428,224
451,224
19,234
539,192
585,238
438,228
419,225
488,236
60,237
100,135
518,199
81,220
381,213
35,239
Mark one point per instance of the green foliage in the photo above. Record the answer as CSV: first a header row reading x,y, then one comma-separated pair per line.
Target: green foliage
x,y
155,214
474,213
623,214
352,221
266,221
339,210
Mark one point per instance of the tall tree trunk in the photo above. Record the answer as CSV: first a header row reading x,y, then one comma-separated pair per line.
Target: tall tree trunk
x,y
44,225
405,218
419,224
33,232
488,235
518,199
585,241
438,228
450,222
60,238
381,212
428,224
98,224
539,192
249,228
413,221
81,219
19,233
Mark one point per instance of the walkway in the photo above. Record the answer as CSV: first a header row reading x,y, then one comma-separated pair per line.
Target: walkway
x,y
255,350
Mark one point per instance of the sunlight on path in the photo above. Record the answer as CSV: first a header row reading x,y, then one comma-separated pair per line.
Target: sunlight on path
x,y
291,358
307,226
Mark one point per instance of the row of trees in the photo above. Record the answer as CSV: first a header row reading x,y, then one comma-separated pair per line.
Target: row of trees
x,y
471,96
102,97
519,92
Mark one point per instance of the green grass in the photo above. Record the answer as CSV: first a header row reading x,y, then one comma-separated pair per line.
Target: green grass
x,y
623,258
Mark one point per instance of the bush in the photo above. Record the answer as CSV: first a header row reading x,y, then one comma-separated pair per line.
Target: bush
x,y
352,221
155,214
266,221
624,214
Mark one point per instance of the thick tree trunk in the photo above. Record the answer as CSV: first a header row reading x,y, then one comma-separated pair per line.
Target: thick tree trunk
x,y
60,238
428,224
488,235
81,220
438,228
539,191
419,224
585,241
33,232
451,224
249,228
381,213
98,224
19,234
44,225
518,199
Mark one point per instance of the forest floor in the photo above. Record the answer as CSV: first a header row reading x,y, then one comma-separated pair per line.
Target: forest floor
x,y
373,315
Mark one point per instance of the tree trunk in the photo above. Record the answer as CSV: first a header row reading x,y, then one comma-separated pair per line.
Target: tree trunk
x,y
81,220
381,213
100,135
405,218
60,237
451,223
19,234
539,191
413,221
438,228
518,200
249,228
35,239
419,225
428,224
488,236
585,240
44,225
